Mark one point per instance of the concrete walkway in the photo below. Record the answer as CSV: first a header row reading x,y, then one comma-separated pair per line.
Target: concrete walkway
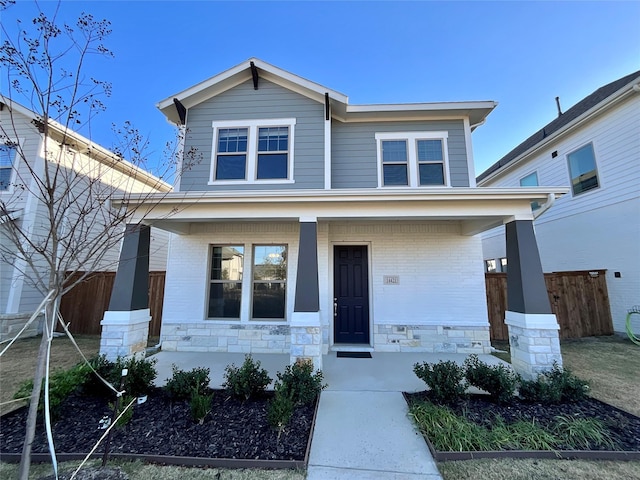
x,y
362,429
367,435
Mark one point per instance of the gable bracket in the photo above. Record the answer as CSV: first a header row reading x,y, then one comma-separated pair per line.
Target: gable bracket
x,y
254,74
327,106
182,111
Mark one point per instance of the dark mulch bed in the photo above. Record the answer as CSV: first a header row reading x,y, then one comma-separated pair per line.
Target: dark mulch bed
x,y
624,427
234,429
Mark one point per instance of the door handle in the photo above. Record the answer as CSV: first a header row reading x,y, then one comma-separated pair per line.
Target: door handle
x,y
335,307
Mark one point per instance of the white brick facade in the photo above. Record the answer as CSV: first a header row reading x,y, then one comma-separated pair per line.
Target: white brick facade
x,y
440,300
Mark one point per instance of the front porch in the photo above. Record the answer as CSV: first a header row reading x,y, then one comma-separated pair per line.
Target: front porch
x,y
383,372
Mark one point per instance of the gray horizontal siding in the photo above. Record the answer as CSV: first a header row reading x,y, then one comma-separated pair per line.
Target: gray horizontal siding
x,y
244,103
354,155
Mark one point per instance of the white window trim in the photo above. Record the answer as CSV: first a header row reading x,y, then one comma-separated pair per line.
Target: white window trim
x,y
412,138
14,165
568,167
252,150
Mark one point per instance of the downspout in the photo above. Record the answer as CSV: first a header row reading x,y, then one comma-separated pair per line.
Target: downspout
x,y
551,199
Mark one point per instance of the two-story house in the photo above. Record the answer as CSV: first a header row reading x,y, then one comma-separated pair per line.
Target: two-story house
x,y
80,165
316,225
594,148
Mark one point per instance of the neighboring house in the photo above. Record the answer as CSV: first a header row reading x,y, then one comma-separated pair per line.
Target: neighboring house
x,y
594,148
315,225
19,297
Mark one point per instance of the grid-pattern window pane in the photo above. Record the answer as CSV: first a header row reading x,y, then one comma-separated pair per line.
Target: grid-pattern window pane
x,y
430,162
430,151
7,154
225,281
394,162
273,153
582,167
269,281
231,158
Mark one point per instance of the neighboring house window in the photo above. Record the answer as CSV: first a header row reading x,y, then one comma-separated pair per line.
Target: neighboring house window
x,y
503,265
7,155
582,168
253,151
225,287
531,180
490,266
269,281
413,159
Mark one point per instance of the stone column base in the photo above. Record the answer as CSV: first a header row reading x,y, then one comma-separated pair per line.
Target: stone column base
x,y
124,334
306,339
534,341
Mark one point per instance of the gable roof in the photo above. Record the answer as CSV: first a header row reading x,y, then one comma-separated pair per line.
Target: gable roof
x,y
109,158
341,110
601,97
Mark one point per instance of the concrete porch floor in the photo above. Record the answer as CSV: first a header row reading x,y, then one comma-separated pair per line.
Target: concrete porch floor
x,y
384,372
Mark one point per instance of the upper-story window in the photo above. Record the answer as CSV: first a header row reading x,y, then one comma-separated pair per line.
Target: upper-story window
x,y
252,151
7,155
531,180
412,159
583,170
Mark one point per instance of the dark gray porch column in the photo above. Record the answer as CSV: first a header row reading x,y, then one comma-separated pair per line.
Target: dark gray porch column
x,y
307,293
533,328
131,285
125,326
306,335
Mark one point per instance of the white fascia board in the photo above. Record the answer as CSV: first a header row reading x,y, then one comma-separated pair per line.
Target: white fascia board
x,y
433,106
348,195
576,123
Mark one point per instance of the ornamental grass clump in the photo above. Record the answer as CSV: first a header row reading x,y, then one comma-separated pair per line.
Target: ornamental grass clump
x,y
247,381
444,379
582,433
498,381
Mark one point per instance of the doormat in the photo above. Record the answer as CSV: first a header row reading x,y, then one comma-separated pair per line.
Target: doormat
x,y
354,355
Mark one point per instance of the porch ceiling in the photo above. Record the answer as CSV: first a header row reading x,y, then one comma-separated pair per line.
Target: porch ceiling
x,y
476,209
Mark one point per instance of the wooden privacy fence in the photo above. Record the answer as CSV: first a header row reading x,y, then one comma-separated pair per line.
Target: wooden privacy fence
x,y
579,300
84,306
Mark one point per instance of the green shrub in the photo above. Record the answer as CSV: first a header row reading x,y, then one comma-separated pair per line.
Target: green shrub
x,y
248,380
300,383
497,380
555,386
182,383
200,405
444,379
139,379
62,383
280,409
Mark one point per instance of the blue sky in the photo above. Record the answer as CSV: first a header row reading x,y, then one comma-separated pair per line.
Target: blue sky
x,y
520,54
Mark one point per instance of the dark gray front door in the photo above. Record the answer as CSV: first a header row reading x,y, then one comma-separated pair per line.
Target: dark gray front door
x,y
351,294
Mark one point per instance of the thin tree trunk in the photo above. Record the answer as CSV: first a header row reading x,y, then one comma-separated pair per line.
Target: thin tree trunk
x,y
32,418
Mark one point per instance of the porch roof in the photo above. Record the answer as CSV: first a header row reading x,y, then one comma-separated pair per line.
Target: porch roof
x,y
477,209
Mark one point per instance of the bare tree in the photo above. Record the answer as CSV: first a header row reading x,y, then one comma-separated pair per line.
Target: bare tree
x,y
71,177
